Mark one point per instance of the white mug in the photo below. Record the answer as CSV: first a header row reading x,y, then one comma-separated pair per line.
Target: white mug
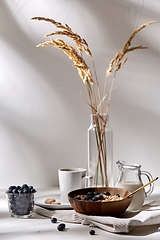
x,y
70,179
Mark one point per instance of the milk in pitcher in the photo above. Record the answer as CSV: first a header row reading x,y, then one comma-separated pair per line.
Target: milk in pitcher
x,y
138,198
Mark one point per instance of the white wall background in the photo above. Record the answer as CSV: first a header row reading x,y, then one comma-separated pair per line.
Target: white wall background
x,y
43,118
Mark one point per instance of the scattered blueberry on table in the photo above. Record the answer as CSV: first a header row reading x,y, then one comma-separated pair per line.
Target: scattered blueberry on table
x,y
53,219
20,200
61,226
92,232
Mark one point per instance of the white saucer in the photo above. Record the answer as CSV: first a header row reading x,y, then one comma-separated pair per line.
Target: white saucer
x,y
39,201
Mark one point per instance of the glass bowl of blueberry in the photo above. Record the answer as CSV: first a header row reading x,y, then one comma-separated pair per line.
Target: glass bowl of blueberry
x,y
20,200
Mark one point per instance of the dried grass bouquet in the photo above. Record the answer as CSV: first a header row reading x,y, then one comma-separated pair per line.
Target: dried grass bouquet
x,y
95,98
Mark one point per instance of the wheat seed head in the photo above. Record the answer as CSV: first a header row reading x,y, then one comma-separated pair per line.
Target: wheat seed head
x,y
83,69
118,57
80,43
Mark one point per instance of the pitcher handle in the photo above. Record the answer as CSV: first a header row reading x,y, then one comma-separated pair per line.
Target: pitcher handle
x,y
151,186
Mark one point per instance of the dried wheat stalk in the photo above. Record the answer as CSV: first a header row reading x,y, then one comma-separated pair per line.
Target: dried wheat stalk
x,y
79,62
86,76
118,57
80,43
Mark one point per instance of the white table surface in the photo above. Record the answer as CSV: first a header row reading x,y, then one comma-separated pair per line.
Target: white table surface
x,y
39,227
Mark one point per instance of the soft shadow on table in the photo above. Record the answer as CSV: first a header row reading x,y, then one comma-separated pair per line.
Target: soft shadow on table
x,y
146,207
21,234
38,216
4,215
144,230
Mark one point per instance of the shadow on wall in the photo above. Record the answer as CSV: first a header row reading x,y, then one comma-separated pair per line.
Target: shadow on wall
x,y
128,15
49,61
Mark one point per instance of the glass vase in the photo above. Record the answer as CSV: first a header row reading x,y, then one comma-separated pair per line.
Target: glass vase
x,y
100,151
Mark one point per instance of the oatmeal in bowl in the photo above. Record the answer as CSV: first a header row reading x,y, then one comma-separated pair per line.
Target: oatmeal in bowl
x,y
102,201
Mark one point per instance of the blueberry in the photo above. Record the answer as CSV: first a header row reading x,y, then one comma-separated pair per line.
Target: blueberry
x,y
96,193
15,190
30,187
24,186
22,204
78,198
117,195
159,229
25,190
10,196
61,227
107,193
9,191
53,219
18,202
90,193
88,197
92,232
99,197
32,190
20,190
11,200
23,211
12,187
94,199
22,198
12,206
14,210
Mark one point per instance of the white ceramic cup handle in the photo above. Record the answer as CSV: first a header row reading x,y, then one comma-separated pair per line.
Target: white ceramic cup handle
x,y
151,186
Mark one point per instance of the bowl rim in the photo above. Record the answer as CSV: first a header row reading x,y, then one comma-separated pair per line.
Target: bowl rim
x,y
100,201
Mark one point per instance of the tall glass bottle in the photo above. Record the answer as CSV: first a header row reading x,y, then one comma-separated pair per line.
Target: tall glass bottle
x,y
100,151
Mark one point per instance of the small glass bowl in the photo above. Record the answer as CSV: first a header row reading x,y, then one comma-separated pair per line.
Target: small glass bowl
x,y
20,204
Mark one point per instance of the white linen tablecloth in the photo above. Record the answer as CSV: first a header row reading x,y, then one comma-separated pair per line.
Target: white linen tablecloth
x,y
149,215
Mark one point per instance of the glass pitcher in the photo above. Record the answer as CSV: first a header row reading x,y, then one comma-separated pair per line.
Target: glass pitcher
x,y
130,179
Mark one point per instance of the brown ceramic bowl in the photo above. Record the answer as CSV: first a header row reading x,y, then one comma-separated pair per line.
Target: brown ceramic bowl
x,y
112,208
